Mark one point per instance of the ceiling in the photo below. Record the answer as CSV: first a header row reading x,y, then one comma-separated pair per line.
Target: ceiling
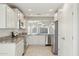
x,y
37,8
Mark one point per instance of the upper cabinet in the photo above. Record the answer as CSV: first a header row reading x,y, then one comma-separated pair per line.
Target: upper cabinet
x,y
2,18
21,19
8,18
11,18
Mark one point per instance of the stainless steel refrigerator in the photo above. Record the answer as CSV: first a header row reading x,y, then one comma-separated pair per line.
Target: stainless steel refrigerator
x,y
55,40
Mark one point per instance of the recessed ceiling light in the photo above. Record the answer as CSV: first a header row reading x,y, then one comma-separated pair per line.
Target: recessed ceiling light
x,y
29,9
50,9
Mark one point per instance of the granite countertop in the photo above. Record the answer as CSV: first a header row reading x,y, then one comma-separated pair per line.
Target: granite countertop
x,y
9,39
40,34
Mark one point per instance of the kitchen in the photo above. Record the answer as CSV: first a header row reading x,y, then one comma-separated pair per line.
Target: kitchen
x,y
18,32
12,29
38,29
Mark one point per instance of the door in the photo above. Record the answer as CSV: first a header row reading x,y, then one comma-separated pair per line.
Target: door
x,y
65,36
67,30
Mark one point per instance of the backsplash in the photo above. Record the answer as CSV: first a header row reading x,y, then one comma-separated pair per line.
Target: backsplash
x,y
4,33
7,32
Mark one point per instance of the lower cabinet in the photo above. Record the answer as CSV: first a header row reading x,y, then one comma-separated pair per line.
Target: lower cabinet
x,y
20,48
7,49
12,49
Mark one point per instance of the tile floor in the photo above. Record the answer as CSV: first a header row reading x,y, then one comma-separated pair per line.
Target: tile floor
x,y
39,51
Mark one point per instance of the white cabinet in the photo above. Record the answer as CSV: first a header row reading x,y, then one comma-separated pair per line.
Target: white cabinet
x,y
8,18
21,19
20,47
2,16
12,49
7,49
11,18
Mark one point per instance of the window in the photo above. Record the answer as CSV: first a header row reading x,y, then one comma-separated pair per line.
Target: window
x,y
39,27
43,30
34,30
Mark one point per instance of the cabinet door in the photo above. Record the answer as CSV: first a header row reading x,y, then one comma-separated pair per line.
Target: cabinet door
x,y
7,49
8,18
20,47
2,16
15,20
11,18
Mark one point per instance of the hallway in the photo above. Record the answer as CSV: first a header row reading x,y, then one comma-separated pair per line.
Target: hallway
x,y
39,51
